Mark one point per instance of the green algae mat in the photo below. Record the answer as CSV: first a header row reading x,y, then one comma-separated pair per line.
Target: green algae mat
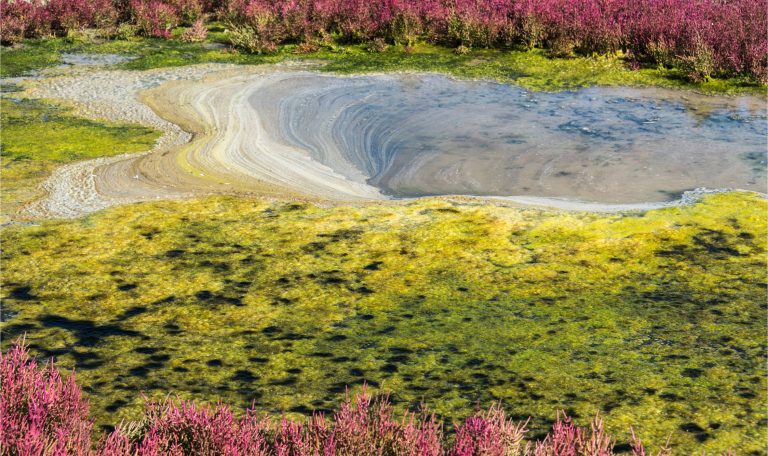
x,y
653,320
36,137
533,69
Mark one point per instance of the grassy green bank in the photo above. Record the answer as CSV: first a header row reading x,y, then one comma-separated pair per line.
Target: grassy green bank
x,y
654,320
532,69
37,137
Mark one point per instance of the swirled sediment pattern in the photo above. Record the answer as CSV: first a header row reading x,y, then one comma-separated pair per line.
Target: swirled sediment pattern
x,y
272,131
431,135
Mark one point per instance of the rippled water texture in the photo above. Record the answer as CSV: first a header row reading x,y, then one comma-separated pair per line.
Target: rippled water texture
x,y
431,135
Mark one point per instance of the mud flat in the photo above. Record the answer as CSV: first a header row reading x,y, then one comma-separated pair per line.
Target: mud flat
x,y
287,132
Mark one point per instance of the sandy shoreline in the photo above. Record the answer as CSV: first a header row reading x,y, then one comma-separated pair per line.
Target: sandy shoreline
x,y
201,151
214,142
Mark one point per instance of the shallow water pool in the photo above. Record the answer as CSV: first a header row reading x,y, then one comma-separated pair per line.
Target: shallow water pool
x,y
417,135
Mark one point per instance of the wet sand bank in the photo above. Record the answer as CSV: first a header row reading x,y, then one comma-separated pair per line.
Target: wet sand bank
x,y
284,132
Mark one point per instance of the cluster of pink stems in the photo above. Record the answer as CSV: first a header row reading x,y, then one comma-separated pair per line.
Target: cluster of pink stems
x,y
705,37
45,413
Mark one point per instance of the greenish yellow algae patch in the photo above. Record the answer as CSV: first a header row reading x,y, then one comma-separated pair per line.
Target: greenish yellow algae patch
x,y
654,320
532,69
37,137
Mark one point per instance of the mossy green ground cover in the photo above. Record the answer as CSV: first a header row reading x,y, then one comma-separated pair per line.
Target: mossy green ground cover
x,y
34,55
36,137
532,69
653,320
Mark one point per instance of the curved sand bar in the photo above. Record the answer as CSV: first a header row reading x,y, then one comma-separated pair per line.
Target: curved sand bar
x,y
276,131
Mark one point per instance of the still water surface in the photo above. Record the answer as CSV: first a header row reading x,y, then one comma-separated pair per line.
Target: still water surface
x,y
418,135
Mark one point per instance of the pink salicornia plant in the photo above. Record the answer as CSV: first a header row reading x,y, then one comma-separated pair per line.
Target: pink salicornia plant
x,y
490,433
41,412
23,19
699,37
568,439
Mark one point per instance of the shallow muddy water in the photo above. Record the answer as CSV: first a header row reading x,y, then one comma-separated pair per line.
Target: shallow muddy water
x,y
420,135
286,132
94,59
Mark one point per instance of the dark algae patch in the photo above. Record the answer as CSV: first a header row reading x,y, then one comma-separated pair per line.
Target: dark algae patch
x,y
655,320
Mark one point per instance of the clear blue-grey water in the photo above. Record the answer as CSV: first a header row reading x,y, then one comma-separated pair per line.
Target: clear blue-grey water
x,y
417,135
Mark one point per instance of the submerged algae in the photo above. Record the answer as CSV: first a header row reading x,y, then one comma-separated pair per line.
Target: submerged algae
x,y
654,320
